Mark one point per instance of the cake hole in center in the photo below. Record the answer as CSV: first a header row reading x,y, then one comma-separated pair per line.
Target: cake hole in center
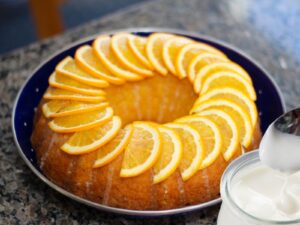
x,y
158,99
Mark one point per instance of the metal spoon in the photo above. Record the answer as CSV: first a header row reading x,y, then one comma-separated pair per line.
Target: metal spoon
x,y
289,122
280,146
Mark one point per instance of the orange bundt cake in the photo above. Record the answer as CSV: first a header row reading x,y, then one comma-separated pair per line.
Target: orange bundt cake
x,y
145,122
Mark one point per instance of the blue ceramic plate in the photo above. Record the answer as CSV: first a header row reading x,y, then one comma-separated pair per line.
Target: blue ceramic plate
x,y
32,91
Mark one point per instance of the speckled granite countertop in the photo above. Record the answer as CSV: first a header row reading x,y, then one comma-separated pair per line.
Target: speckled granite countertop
x,y
265,31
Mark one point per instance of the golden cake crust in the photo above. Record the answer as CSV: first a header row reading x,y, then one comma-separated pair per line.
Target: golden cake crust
x,y
104,185
157,97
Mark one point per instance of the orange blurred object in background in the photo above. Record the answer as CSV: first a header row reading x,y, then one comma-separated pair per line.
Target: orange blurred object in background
x,y
46,17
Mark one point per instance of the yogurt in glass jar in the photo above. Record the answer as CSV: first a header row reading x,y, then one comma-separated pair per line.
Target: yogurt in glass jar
x,y
255,194
263,187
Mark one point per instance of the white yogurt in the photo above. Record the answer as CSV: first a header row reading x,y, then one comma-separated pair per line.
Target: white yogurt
x,y
280,151
268,194
267,190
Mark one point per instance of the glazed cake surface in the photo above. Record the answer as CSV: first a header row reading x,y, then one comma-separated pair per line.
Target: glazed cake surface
x,y
145,123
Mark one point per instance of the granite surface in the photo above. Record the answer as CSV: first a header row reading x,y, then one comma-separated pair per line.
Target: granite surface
x,y
264,31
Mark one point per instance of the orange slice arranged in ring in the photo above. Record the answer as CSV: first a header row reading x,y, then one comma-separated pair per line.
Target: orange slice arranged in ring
x,y
228,128
188,52
201,60
193,151
239,115
87,141
143,149
53,106
63,82
170,51
102,47
115,147
81,122
59,108
120,46
170,156
138,46
69,68
228,79
211,137
59,94
87,60
217,67
234,95
154,50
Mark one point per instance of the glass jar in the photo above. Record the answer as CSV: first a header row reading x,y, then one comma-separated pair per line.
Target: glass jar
x,y
230,213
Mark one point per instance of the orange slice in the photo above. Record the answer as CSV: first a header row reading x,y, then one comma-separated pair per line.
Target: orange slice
x,y
239,115
63,82
53,106
233,95
170,51
59,108
228,128
138,46
115,147
59,94
228,79
170,156
81,122
211,137
193,151
68,67
87,141
102,47
87,60
188,52
154,50
216,67
120,46
143,149
201,60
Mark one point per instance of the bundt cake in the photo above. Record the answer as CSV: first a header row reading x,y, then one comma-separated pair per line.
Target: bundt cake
x,y
145,123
